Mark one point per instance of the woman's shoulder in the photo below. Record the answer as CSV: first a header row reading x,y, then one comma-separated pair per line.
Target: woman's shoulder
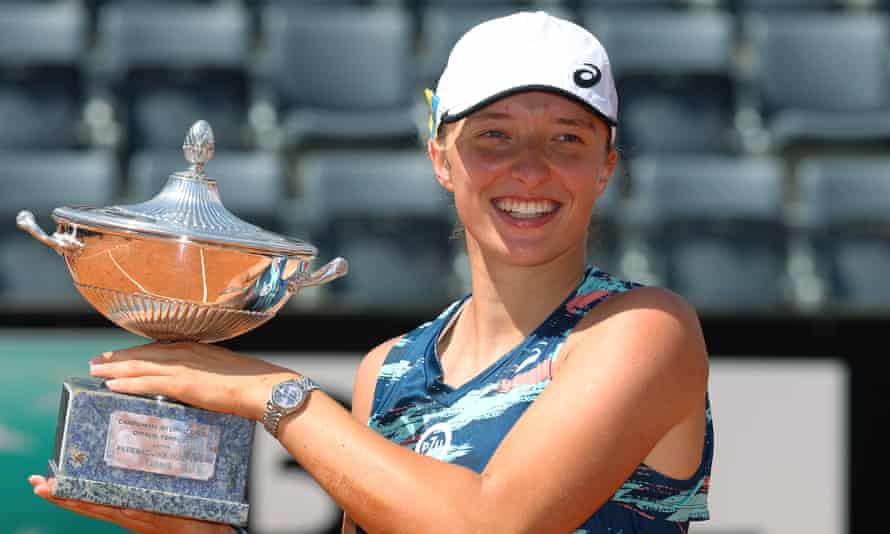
x,y
372,363
373,360
377,355
649,320
366,378
633,304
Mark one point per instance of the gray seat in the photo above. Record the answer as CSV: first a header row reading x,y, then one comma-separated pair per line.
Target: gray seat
x,y
41,96
251,183
165,66
634,4
821,77
775,5
338,74
846,206
714,226
41,181
515,4
386,214
587,4
674,74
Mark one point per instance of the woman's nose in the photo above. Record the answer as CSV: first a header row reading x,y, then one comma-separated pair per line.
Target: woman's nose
x,y
531,165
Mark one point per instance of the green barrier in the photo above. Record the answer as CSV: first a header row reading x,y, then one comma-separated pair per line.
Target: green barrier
x,y
35,364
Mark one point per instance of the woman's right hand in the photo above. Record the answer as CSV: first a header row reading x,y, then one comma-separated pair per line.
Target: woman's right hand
x,y
135,520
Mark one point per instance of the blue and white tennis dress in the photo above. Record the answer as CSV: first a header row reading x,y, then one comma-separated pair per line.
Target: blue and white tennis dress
x,y
413,407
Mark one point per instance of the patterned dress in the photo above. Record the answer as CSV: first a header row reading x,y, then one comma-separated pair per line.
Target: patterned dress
x,y
414,408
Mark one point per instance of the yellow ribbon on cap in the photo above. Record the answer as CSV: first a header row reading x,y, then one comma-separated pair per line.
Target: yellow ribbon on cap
x,y
433,102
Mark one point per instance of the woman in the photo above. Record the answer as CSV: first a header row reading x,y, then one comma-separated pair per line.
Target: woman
x,y
555,398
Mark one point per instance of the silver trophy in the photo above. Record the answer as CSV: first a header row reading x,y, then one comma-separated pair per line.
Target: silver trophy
x,y
178,267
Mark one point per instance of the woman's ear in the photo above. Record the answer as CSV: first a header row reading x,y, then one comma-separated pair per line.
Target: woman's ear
x,y
607,170
438,155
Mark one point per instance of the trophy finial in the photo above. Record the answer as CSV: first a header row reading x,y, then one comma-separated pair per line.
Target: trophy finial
x,y
198,146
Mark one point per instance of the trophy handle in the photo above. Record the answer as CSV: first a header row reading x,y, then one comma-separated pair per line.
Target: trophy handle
x,y
331,271
61,243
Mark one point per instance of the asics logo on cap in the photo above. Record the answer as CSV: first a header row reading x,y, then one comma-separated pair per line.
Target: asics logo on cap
x,y
587,77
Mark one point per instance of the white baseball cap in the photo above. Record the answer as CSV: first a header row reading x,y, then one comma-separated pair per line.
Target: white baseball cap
x,y
524,52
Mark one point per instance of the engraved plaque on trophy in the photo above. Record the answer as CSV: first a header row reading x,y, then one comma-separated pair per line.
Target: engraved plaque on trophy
x,y
178,267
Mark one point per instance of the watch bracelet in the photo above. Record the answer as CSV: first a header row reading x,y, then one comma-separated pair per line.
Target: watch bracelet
x,y
272,417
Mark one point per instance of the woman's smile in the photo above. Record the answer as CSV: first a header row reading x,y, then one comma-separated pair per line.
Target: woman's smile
x,y
526,212
525,172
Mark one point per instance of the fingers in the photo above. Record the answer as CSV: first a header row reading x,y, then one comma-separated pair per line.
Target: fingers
x,y
147,385
40,485
157,352
131,368
183,352
43,488
131,519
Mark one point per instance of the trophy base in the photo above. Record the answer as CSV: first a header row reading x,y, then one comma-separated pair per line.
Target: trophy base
x,y
149,454
112,494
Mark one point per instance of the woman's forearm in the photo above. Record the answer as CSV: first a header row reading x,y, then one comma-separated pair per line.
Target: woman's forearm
x,y
381,486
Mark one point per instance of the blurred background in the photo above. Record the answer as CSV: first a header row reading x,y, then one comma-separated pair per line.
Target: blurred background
x,y
755,181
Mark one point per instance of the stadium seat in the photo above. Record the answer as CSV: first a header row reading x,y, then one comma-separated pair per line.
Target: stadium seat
x,y
339,74
587,4
386,214
251,184
846,205
516,5
41,93
674,75
256,7
819,77
165,66
714,227
98,5
776,5
648,4
40,181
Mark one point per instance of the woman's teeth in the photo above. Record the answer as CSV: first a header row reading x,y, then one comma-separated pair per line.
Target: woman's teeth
x,y
526,209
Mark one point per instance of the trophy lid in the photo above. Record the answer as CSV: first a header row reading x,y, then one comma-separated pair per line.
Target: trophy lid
x,y
189,208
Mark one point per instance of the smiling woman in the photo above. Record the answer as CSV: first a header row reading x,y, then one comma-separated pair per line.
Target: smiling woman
x,y
525,169
554,397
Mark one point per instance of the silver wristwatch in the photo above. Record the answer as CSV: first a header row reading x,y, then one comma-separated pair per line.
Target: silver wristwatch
x,y
286,398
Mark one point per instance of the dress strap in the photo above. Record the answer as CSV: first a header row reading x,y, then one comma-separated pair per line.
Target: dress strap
x,y
595,287
400,358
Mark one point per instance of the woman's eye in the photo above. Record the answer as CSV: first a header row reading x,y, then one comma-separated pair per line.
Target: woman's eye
x,y
494,134
568,138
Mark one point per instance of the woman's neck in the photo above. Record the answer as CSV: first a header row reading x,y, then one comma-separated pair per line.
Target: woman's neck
x,y
521,296
508,303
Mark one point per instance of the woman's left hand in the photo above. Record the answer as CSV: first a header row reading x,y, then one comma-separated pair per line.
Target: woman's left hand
x,y
198,374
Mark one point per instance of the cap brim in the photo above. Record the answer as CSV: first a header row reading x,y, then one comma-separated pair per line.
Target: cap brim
x,y
449,117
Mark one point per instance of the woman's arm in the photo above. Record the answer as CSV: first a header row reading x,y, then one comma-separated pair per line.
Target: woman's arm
x,y
630,377
626,383
363,395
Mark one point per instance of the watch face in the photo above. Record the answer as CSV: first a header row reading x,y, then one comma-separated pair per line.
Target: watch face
x,y
287,395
